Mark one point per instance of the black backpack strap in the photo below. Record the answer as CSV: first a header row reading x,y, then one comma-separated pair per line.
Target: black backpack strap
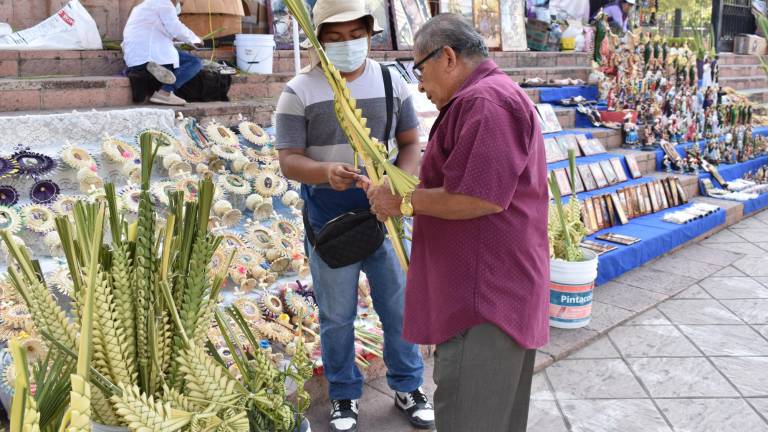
x,y
389,94
309,232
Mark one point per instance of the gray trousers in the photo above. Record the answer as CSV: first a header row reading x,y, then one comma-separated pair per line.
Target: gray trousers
x,y
483,382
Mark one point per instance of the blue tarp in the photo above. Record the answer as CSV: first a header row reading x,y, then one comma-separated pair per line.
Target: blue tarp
x,y
553,95
757,131
657,238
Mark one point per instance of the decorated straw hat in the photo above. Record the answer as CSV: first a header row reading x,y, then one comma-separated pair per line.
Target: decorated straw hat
x,y
336,11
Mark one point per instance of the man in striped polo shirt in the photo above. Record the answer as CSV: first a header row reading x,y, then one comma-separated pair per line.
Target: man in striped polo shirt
x,y
314,151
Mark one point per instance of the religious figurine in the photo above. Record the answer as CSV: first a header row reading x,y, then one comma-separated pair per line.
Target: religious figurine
x,y
667,164
630,133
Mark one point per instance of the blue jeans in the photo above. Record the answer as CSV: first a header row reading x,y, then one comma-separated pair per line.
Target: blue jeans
x,y
336,292
189,67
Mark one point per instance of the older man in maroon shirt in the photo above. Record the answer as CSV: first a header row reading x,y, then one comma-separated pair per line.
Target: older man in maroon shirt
x,y
477,285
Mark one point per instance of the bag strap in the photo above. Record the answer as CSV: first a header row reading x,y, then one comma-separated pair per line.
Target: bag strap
x,y
389,94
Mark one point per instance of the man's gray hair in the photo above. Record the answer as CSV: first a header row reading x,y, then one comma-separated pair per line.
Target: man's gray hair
x,y
451,30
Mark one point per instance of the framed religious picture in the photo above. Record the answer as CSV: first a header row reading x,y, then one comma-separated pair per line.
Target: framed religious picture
x,y
618,168
549,121
647,198
583,142
403,35
487,20
618,238
637,202
681,191
671,151
592,215
610,174
597,247
585,218
621,193
634,168
598,212
513,36
568,142
671,193
606,213
586,176
621,214
611,210
562,181
662,196
652,193
598,174
576,180
553,151
282,23
458,7
380,10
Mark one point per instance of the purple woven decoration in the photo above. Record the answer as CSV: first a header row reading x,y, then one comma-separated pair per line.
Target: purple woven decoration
x,y
8,167
44,192
8,195
33,164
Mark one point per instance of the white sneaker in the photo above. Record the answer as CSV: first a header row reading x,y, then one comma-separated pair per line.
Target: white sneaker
x,y
417,408
164,98
343,415
161,73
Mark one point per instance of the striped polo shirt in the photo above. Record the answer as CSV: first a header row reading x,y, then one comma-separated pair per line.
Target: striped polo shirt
x,y
305,119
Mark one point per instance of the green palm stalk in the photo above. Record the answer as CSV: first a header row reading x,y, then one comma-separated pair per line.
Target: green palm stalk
x,y
565,228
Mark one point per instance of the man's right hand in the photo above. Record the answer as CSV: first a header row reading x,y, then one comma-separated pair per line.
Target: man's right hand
x,y
342,176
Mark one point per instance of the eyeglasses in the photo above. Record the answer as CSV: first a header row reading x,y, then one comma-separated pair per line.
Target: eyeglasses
x,y
416,68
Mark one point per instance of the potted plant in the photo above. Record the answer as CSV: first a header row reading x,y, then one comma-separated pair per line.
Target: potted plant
x,y
573,269
137,329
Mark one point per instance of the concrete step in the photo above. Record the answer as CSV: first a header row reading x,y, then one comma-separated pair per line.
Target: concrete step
x,y
520,74
35,94
756,95
745,82
737,59
14,64
258,110
728,71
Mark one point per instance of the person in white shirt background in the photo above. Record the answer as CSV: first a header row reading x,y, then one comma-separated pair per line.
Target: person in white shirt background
x,y
148,44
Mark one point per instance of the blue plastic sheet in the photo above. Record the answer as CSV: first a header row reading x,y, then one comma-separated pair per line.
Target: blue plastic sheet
x,y
657,238
553,95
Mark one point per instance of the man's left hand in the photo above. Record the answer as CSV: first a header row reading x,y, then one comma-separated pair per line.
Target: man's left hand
x,y
384,204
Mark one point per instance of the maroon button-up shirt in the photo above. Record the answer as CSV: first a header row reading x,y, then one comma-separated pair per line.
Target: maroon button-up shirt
x,y
486,143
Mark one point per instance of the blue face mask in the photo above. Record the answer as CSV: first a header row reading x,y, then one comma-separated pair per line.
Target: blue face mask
x,y
347,56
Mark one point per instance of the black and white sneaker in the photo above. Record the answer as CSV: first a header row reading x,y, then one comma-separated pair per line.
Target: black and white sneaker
x,y
344,415
416,406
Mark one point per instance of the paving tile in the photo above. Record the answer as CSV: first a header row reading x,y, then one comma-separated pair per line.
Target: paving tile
x,y
730,271
750,223
752,235
685,267
593,379
727,340
540,388
711,415
656,281
693,292
565,341
599,349
627,296
742,248
681,377
625,415
742,373
760,404
697,312
762,329
605,316
544,416
651,317
734,288
652,341
751,311
762,279
724,236
706,255
753,265
762,245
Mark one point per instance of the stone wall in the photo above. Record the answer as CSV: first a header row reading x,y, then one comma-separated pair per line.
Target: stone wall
x,y
110,15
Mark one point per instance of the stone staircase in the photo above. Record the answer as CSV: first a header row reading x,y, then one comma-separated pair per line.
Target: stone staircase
x,y
745,74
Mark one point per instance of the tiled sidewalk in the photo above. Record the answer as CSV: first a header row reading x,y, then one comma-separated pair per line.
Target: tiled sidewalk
x,y
697,362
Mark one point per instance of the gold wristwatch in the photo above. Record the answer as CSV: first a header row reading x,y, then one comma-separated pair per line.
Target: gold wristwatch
x,y
406,208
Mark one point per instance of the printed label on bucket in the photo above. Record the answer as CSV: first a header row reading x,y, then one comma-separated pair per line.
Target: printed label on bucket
x,y
570,305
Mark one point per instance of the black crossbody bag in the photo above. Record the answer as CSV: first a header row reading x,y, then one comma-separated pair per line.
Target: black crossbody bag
x,y
355,235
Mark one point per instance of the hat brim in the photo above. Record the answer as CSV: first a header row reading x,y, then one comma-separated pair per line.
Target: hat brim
x,y
345,17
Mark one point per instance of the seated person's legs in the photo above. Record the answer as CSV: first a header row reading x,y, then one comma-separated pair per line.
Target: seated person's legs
x,y
189,67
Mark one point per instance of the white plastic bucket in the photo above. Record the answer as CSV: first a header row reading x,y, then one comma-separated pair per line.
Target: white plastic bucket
x,y
570,291
254,52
